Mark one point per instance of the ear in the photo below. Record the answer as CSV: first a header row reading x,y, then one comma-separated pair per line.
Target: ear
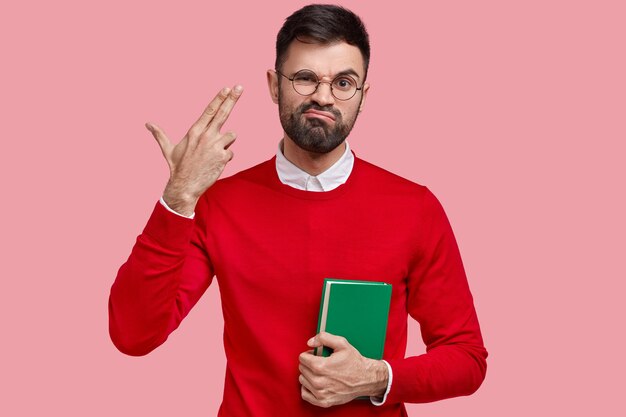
x,y
366,88
272,84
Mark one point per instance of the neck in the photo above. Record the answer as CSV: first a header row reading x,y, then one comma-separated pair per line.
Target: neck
x,y
310,162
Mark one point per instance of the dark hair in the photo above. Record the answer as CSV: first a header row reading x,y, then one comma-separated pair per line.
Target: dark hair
x,y
323,23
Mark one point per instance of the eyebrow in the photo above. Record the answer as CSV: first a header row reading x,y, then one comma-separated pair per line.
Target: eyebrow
x,y
348,71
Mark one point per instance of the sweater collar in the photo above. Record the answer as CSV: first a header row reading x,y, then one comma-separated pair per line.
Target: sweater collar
x,y
333,177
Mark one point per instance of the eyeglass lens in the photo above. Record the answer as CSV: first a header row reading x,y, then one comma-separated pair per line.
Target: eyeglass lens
x,y
305,82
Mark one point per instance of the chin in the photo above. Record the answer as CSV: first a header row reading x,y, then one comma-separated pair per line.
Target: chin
x,y
320,147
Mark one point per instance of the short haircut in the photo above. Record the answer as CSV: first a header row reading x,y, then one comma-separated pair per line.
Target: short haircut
x,y
324,24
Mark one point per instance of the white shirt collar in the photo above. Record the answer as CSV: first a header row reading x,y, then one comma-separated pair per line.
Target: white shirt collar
x,y
330,179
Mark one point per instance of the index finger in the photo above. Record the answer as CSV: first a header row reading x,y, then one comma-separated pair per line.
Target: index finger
x,y
210,111
308,359
225,109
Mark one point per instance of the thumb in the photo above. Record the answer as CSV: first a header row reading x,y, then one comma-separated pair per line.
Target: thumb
x,y
328,340
162,140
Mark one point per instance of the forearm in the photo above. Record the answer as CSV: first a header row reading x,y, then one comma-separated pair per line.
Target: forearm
x,y
444,372
146,303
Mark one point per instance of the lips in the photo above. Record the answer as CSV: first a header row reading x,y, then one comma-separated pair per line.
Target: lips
x,y
320,114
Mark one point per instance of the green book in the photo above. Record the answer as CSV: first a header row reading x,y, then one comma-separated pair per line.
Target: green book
x,y
358,311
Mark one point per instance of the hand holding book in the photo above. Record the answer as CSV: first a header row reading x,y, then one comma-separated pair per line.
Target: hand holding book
x,y
346,365
341,377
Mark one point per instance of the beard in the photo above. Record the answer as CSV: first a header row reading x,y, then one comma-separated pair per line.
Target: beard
x,y
311,134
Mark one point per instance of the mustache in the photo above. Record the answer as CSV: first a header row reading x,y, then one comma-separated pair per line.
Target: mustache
x,y
314,106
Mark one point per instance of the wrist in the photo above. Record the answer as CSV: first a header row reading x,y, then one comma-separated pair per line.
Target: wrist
x,y
379,378
178,200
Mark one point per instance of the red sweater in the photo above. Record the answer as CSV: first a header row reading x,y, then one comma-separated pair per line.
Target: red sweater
x,y
271,246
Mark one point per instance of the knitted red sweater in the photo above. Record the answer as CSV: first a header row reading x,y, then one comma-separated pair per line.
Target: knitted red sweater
x,y
271,246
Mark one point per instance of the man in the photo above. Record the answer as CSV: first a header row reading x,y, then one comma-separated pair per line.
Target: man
x,y
272,233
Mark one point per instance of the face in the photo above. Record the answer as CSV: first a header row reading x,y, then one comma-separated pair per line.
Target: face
x,y
320,122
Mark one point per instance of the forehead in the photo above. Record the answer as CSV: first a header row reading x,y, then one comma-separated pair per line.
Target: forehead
x,y
323,59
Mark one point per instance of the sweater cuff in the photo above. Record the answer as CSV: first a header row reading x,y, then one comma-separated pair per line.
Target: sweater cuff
x,y
375,400
162,201
172,231
406,378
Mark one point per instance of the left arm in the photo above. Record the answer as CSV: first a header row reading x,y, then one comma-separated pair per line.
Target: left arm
x,y
439,298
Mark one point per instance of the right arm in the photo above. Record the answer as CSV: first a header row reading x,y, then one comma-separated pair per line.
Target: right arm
x,y
168,270
163,278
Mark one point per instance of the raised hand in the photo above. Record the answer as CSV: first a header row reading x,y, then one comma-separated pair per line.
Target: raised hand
x,y
198,160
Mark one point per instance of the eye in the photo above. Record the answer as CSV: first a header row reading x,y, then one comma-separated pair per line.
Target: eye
x,y
305,77
344,83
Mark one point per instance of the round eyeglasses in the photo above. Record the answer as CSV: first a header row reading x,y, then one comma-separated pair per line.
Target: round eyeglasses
x,y
306,82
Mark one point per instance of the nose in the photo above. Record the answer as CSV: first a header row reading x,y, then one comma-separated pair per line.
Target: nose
x,y
323,95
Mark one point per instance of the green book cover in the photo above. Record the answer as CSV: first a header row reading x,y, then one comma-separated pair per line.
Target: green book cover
x,y
358,311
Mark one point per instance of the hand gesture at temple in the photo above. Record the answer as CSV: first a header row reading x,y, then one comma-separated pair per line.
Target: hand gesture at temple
x,y
198,160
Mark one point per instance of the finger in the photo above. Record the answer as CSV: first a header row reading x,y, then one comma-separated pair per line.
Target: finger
x,y
209,112
330,340
314,342
305,370
305,359
162,139
308,396
225,109
312,362
227,139
307,384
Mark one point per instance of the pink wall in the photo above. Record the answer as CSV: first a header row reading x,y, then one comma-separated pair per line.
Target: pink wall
x,y
513,113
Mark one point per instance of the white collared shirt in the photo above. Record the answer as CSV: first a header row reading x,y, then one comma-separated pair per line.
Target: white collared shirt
x,y
333,177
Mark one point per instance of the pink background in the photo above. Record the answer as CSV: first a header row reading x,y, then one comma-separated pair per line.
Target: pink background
x,y
513,113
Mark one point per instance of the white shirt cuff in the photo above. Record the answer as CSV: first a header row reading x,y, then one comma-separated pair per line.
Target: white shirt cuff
x,y
172,211
375,400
